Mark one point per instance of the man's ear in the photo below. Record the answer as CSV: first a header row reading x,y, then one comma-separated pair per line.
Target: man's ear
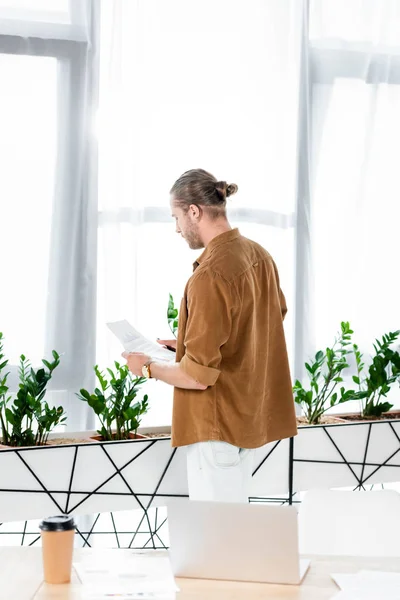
x,y
194,211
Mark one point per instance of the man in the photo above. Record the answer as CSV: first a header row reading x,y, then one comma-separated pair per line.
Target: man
x,y
233,390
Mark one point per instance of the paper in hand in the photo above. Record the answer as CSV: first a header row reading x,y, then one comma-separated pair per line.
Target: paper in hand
x,y
133,341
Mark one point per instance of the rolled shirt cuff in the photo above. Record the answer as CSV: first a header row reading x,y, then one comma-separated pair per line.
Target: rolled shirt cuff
x,y
204,375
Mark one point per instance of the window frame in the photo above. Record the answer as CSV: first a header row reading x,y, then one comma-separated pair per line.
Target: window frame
x,y
67,45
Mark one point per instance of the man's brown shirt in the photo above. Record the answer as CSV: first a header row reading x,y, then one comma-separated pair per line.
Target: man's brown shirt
x,y
231,339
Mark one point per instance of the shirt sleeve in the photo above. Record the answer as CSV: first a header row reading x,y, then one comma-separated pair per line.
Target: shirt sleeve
x,y
283,304
208,327
282,299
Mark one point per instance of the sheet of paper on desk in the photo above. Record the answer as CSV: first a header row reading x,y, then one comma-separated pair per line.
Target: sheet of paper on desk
x,y
353,595
93,595
364,595
147,578
368,585
379,577
133,341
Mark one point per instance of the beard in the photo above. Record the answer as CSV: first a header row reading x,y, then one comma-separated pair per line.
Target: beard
x,y
192,236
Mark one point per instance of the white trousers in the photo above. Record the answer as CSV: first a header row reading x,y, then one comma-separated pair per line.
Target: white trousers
x,y
219,472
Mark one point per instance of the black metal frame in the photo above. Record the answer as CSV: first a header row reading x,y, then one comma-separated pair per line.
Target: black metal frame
x,y
361,481
151,533
152,529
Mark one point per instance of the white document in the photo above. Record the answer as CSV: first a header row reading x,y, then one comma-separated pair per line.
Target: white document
x,y
357,595
368,585
93,595
133,341
346,581
140,576
374,594
379,577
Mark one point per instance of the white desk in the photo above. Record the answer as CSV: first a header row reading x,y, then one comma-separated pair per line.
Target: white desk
x,y
21,579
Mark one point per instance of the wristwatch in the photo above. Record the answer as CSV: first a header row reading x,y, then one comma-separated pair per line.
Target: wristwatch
x,y
146,372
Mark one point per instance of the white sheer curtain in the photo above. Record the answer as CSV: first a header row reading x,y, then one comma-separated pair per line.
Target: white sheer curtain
x,y
48,209
183,85
355,119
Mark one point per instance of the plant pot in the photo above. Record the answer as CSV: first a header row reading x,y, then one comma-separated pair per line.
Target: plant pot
x,y
354,454
325,420
87,477
4,447
358,418
159,432
132,436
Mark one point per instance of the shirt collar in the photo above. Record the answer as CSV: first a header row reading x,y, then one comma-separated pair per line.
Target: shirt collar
x,y
219,240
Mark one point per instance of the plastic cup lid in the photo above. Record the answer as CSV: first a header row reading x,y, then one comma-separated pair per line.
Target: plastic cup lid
x,y
58,523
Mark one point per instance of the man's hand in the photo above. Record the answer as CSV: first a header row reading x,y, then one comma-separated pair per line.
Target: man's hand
x,y
168,343
136,360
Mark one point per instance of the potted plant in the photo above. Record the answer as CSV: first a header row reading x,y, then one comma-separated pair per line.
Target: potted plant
x,y
115,403
382,373
325,374
351,449
27,420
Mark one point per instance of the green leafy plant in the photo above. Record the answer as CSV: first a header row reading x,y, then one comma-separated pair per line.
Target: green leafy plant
x,y
114,402
172,315
325,374
382,373
27,420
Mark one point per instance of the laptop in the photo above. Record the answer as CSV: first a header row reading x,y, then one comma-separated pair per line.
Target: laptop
x,y
235,542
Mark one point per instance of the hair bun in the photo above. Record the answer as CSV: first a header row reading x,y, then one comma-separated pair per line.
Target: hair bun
x,y
224,190
232,188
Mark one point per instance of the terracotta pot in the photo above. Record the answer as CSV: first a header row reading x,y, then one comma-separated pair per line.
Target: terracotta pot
x,y
356,417
3,447
330,420
132,436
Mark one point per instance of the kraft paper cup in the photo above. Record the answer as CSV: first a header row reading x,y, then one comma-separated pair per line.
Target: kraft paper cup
x,y
57,548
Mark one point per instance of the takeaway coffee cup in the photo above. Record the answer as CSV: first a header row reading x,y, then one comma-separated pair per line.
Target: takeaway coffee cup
x,y
57,545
